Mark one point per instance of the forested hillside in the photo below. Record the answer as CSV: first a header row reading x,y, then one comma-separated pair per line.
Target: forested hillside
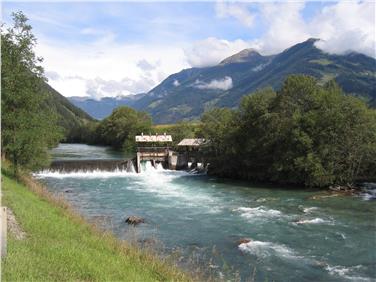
x,y
69,116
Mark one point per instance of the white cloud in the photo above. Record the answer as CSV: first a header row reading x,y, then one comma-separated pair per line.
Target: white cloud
x,y
89,31
236,10
215,84
212,50
343,26
285,26
107,68
98,87
145,65
52,75
347,26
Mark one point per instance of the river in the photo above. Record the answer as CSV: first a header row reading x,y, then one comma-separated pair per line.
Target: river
x,y
296,234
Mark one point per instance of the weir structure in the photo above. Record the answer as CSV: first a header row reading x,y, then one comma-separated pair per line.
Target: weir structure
x,y
190,155
187,155
156,149
91,165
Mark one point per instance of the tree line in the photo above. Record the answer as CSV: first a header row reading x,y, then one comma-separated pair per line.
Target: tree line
x,y
120,128
305,133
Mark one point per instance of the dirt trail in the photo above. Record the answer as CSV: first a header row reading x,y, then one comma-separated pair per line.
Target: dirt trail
x,y
13,226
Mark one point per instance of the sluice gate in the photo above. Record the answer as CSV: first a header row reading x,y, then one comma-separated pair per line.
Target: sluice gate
x,y
92,165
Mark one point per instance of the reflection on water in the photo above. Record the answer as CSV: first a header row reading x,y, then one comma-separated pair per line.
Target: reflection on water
x,y
267,233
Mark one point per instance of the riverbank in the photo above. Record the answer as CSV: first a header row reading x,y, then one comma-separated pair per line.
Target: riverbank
x,y
296,234
60,246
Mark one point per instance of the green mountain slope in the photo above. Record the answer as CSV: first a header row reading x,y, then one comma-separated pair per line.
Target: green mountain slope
x,y
70,116
187,94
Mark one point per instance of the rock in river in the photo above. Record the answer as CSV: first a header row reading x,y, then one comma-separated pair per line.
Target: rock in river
x,y
134,220
243,241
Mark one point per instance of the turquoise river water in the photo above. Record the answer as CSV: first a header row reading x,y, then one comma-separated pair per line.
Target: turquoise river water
x,y
295,234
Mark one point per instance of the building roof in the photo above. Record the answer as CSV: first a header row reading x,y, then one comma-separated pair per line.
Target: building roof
x,y
153,138
192,142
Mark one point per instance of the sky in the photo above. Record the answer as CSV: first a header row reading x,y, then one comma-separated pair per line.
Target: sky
x,y
109,49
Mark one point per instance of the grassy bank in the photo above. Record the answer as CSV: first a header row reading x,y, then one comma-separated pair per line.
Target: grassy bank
x,y
61,246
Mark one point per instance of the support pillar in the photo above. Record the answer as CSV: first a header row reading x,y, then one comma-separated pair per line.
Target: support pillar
x,y
138,163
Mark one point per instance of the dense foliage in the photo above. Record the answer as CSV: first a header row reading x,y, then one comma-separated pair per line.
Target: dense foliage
x,y
28,128
178,131
118,130
303,134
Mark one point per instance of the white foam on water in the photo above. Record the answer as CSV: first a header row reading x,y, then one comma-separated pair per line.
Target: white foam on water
x,y
83,174
310,209
154,180
133,170
265,249
348,273
368,195
146,170
368,191
261,200
258,212
316,220
343,236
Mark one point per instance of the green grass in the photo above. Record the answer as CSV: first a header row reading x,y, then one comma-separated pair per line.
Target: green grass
x,y
169,126
323,62
61,246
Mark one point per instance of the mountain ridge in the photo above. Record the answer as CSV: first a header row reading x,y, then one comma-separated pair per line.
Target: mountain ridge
x,y
187,94
103,107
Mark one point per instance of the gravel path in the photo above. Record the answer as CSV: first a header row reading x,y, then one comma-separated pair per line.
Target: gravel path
x,y
14,227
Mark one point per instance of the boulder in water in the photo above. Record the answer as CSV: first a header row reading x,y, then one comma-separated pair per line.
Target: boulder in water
x,y
243,241
134,220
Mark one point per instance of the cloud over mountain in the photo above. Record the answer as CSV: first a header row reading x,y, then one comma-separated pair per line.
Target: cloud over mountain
x,y
342,27
211,51
215,84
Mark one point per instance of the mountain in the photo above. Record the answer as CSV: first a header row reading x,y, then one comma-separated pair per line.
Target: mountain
x,y
102,108
187,94
70,116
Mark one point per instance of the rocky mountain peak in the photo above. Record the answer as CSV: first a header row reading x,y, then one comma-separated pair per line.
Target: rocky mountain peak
x,y
245,55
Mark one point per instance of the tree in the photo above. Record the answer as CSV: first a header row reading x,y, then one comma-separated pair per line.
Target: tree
x,y
218,128
120,128
303,134
27,131
180,131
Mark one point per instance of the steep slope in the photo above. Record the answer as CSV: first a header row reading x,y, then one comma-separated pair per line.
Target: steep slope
x,y
187,94
69,115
